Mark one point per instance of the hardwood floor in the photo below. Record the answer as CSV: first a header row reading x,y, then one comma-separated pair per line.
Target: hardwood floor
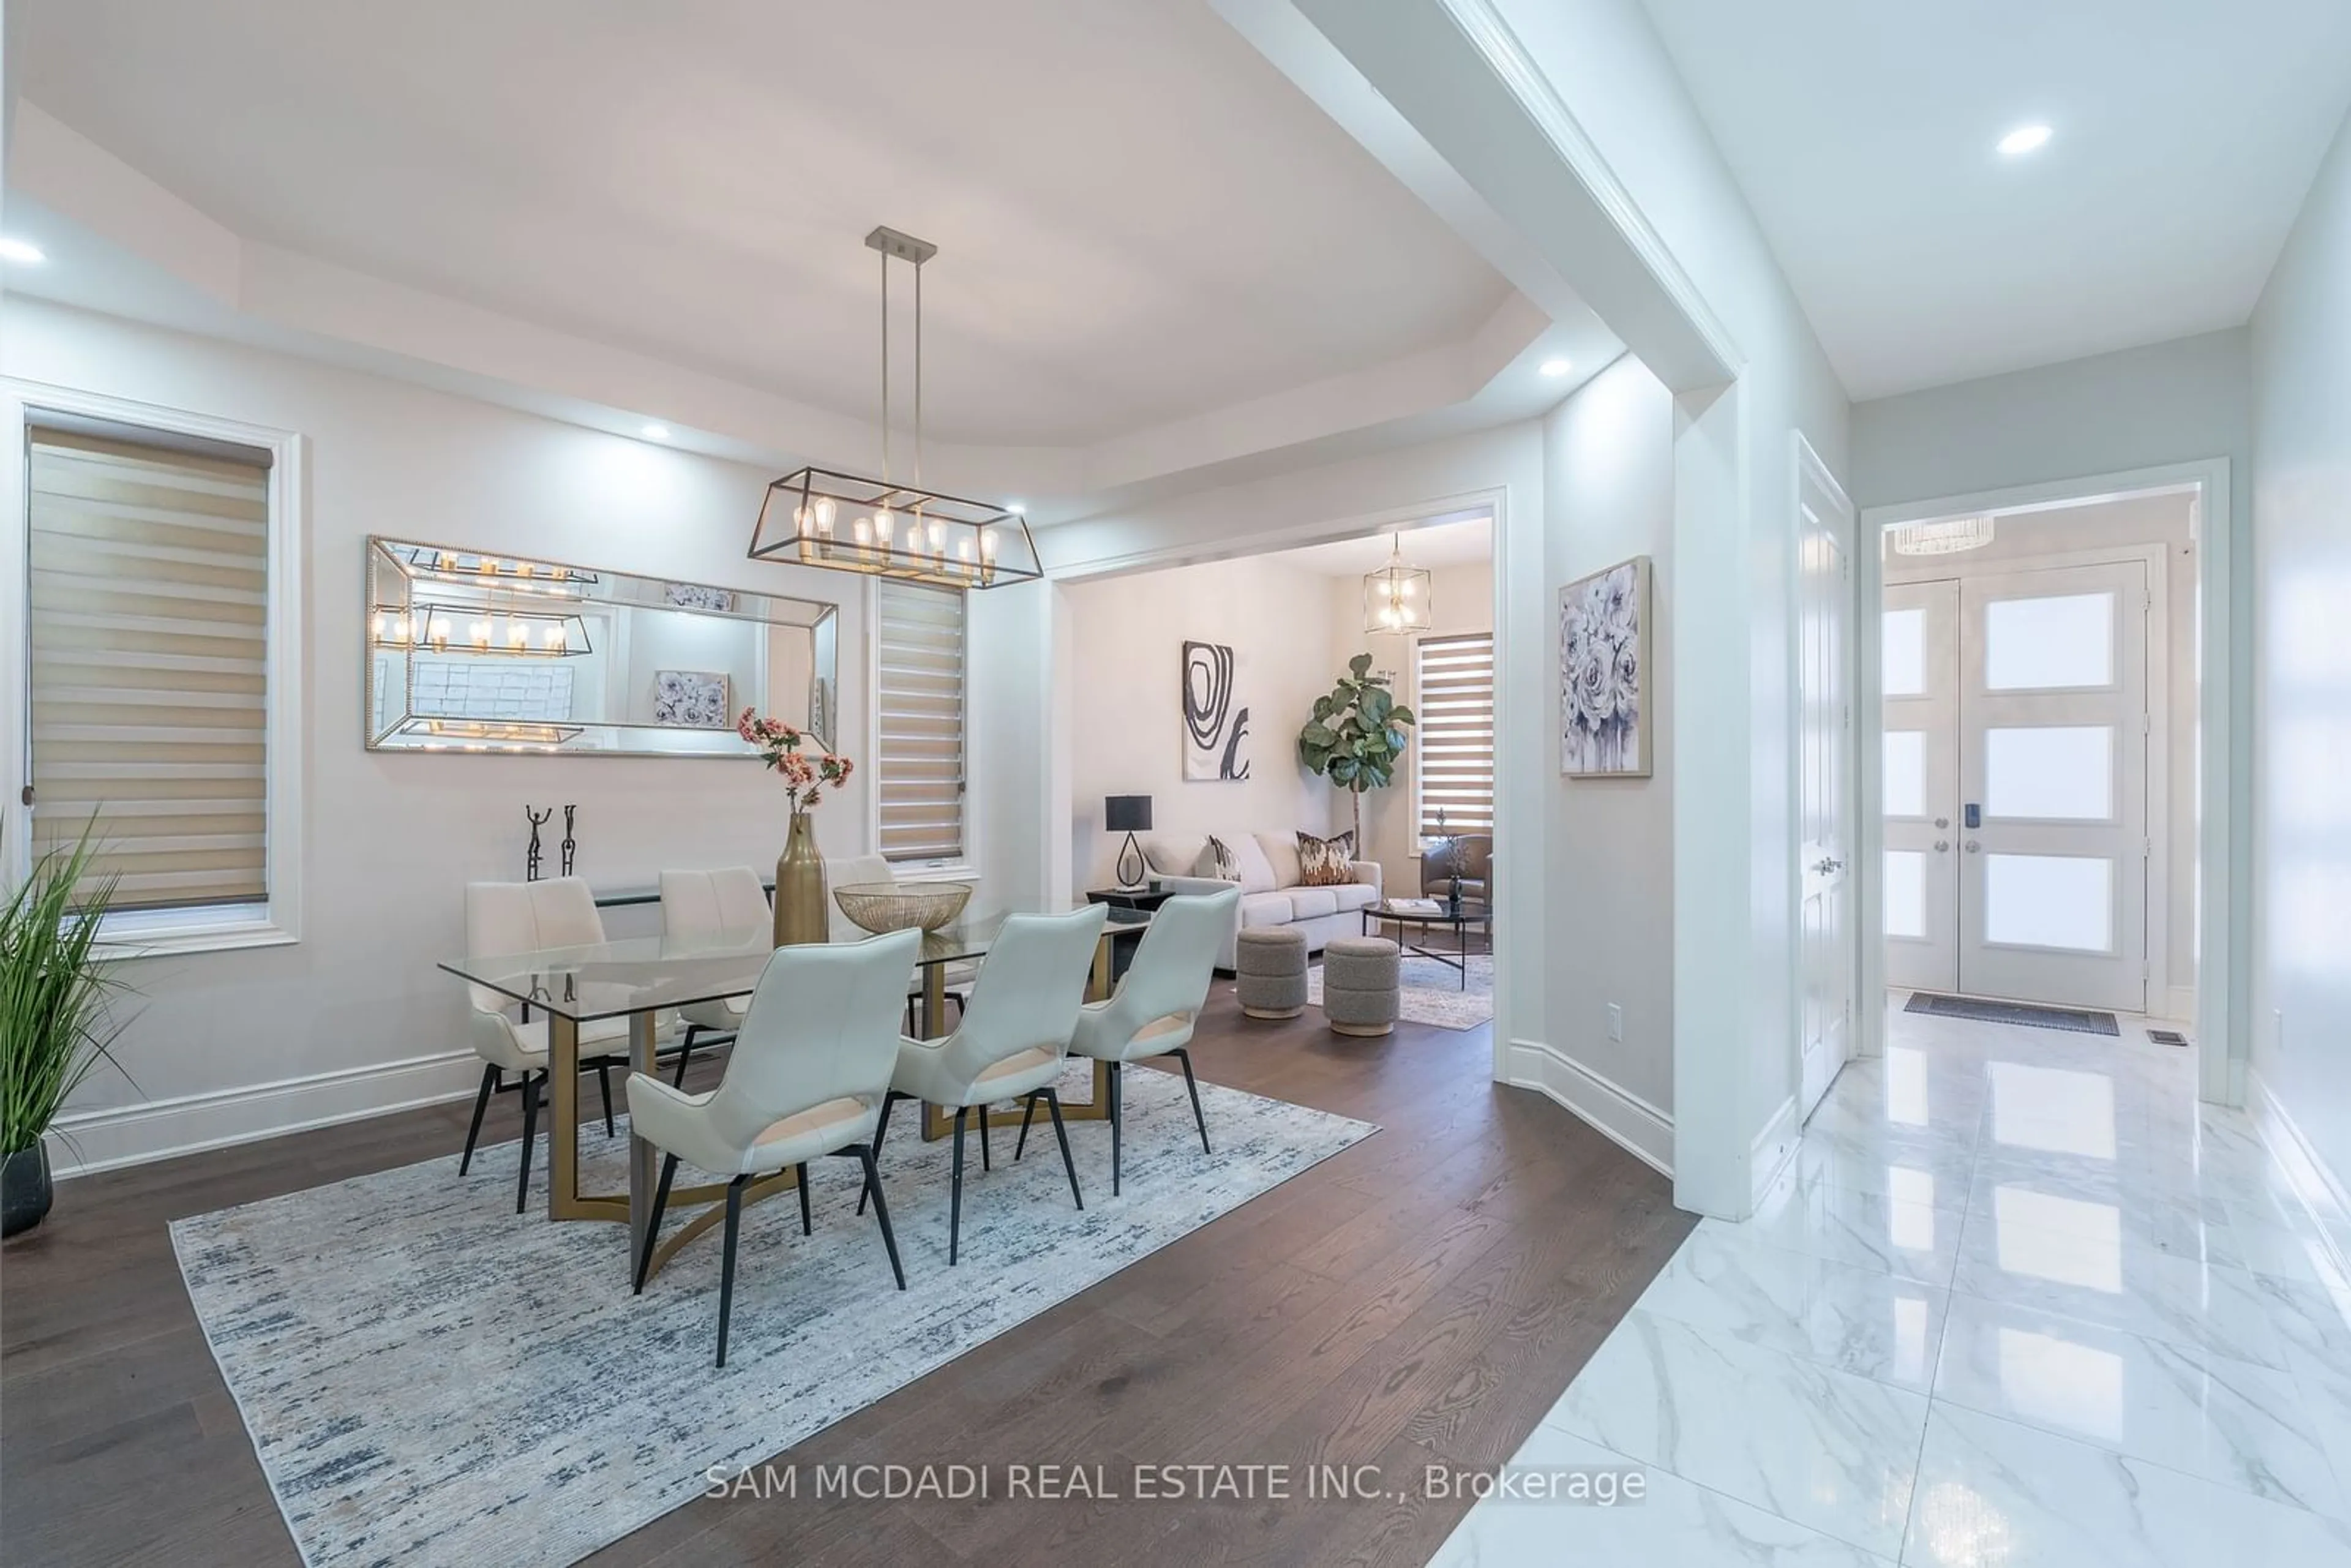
x,y
1421,1299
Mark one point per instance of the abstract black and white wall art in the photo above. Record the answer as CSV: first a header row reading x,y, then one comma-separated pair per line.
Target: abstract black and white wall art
x,y
1604,674
1216,722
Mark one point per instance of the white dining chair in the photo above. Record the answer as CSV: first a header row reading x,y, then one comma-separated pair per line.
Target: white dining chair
x,y
1011,1040
510,917
712,904
1156,1006
808,1077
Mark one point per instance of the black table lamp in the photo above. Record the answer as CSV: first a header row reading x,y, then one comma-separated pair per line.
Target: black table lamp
x,y
1128,814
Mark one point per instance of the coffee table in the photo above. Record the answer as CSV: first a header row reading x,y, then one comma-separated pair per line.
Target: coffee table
x,y
1460,920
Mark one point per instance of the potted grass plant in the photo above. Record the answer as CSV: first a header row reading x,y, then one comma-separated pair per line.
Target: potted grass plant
x,y
55,1022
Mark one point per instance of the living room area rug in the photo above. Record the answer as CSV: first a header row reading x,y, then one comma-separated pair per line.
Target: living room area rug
x,y
1431,992
428,1376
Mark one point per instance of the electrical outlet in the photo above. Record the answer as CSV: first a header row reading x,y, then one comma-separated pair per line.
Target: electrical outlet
x,y
1616,1022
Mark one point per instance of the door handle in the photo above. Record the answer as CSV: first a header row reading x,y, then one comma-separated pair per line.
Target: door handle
x,y
1942,822
1942,846
1972,846
1828,864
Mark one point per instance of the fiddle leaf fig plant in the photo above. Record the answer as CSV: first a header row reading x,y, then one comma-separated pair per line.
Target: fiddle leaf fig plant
x,y
1357,736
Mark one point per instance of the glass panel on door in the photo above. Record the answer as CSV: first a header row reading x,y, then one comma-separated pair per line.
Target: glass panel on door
x,y
1906,773
2049,901
2050,772
2064,641
1905,657
1905,893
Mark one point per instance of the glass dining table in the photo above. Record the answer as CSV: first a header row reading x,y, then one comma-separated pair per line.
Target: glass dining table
x,y
640,977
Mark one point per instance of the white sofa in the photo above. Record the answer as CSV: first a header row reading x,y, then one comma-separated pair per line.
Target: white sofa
x,y
1270,893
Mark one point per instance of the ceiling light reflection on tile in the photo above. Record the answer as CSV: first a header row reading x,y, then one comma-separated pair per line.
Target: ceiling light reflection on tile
x,y
2059,1384
1904,1184
1911,1339
2054,1109
1906,1085
2061,1240
1910,1226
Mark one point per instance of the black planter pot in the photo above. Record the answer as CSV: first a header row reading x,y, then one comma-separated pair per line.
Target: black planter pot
x,y
25,1190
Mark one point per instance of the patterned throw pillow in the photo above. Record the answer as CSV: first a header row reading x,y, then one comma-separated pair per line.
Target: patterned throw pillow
x,y
1221,862
1326,862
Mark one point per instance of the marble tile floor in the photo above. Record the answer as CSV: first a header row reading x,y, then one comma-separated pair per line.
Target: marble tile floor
x,y
2020,1299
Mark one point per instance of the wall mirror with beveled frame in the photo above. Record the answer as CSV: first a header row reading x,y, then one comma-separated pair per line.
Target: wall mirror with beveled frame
x,y
470,651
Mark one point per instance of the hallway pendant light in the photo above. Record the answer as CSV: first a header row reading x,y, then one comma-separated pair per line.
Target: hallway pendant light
x,y
817,517
1947,536
1398,597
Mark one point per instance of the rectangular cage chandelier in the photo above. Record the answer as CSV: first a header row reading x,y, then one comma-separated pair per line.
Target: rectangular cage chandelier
x,y
814,517
883,527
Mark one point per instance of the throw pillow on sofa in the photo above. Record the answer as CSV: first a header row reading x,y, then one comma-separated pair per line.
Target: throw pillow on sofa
x,y
1326,862
1239,858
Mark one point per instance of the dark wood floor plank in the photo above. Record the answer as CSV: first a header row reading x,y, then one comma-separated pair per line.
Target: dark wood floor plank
x,y
1420,1297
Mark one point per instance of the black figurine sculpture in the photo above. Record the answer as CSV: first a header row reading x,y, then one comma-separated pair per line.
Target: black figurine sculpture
x,y
570,848
531,860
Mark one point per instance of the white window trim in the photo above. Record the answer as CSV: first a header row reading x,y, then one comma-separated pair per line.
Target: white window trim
x,y
967,867
146,933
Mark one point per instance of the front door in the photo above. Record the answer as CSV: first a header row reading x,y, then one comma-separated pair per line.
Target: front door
x,y
1824,771
2015,784
2053,786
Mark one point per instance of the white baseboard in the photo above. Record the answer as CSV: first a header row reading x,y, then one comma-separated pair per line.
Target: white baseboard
x,y
1773,1147
160,1129
2314,1182
1622,1116
2179,1004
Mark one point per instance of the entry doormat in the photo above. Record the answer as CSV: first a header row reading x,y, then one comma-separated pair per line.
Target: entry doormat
x,y
430,1378
2073,1021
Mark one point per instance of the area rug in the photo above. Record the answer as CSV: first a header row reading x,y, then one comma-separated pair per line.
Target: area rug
x,y
1431,993
430,1378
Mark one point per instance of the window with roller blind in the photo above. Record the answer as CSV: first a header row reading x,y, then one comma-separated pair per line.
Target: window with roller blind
x,y
918,698
1453,743
156,705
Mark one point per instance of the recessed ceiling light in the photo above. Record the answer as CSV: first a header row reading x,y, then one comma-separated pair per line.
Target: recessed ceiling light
x,y
20,250
656,432
2024,139
1557,367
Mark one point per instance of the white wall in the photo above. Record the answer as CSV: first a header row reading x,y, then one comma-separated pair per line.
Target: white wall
x,y
2165,523
1464,596
1735,885
1127,637
1609,494
355,1018
2140,408
2301,569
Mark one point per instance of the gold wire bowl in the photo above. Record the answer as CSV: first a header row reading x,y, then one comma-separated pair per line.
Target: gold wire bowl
x,y
883,906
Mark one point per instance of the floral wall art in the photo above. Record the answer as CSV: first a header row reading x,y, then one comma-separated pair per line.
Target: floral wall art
x,y
690,699
1604,674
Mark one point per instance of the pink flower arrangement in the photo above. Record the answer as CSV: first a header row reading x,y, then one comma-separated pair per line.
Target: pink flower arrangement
x,y
803,774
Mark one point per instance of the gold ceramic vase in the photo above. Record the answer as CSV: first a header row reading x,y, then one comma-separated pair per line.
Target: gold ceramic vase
x,y
800,914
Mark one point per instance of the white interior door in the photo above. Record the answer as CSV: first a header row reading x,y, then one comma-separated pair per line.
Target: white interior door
x,y
1824,802
2053,786
1921,658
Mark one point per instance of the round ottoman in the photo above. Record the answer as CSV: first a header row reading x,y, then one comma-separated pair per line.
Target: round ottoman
x,y
1359,985
1270,964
